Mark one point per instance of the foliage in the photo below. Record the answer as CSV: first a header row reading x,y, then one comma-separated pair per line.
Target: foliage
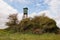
x,y
25,24
12,23
38,24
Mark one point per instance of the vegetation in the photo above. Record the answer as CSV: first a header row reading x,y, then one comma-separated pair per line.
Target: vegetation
x,y
5,35
30,29
37,25
13,23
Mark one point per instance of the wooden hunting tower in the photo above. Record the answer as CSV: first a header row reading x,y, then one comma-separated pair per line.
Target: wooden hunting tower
x,y
25,13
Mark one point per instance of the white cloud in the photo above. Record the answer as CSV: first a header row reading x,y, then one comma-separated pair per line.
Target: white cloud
x,y
11,0
20,15
22,1
46,12
54,6
38,5
53,11
5,10
32,14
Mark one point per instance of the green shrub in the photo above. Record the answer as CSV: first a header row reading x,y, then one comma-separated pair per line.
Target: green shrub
x,y
38,24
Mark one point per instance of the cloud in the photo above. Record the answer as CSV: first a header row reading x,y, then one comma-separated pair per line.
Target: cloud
x,y
53,11
5,10
20,15
54,6
22,1
11,0
46,12
38,5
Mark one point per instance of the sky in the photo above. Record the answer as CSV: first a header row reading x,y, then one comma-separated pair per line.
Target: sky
x,y
51,8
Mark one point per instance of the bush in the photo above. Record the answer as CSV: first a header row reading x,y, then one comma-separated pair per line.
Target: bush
x,y
37,25
12,23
